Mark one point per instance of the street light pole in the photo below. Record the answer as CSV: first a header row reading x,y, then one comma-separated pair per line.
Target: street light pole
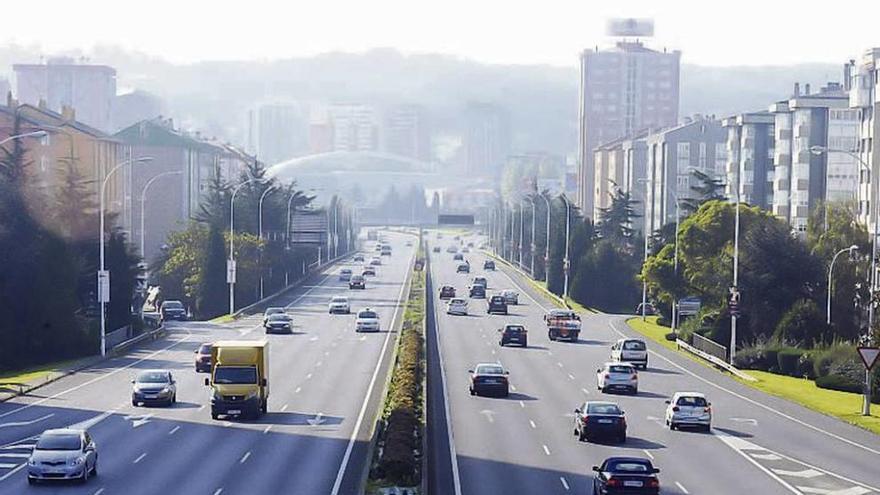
x,y
733,315
566,263
34,134
230,269
260,222
522,246
532,238
103,276
547,243
850,250
143,205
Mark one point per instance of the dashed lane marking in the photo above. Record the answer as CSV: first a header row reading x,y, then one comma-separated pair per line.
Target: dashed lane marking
x,y
532,424
245,457
140,458
650,456
546,449
174,430
682,488
564,483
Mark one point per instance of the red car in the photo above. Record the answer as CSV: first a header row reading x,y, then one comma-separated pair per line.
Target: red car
x,y
203,358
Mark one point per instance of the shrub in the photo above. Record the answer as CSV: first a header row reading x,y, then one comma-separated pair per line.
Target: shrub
x,y
806,366
671,336
788,360
839,382
801,325
824,359
751,358
771,354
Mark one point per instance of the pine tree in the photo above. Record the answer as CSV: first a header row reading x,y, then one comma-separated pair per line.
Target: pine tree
x,y
211,292
708,188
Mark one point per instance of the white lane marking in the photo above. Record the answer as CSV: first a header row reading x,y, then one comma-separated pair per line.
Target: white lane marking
x,y
17,446
488,414
85,425
284,408
16,455
227,424
559,363
345,458
266,430
522,404
99,491
202,407
546,450
25,423
152,355
245,457
174,430
564,483
754,402
313,339
856,490
493,352
10,473
748,421
309,376
650,456
326,353
318,364
570,376
298,389
140,458
139,420
513,388
549,353
585,391
7,466
218,491
532,424
682,488
765,457
806,473
737,444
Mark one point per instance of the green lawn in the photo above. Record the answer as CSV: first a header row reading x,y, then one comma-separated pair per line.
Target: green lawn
x,y
222,319
649,328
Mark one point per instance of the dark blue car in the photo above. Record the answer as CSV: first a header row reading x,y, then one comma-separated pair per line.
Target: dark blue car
x,y
626,476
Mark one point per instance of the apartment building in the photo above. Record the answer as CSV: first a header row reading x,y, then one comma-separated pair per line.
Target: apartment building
x,y
864,97
749,170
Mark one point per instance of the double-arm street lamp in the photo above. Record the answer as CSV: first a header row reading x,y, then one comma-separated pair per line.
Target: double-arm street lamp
x,y
566,263
547,243
230,265
33,134
851,250
143,205
260,223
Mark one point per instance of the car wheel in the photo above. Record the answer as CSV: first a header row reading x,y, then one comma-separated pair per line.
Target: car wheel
x,y
506,393
635,391
214,415
707,428
576,431
85,476
264,408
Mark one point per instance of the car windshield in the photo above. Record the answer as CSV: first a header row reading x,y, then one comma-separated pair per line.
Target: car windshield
x,y
339,299
279,317
629,466
172,305
603,409
497,299
152,377
514,329
205,349
634,345
691,401
621,369
67,441
345,271
272,311
489,369
367,315
230,375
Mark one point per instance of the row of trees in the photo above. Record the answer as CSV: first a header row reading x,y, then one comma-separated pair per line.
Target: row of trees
x,y
49,242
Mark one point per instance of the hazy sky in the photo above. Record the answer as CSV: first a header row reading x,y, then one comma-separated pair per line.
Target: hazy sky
x,y
709,32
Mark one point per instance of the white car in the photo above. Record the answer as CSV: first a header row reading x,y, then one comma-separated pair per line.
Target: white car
x,y
618,376
339,304
457,306
689,409
511,297
367,321
630,351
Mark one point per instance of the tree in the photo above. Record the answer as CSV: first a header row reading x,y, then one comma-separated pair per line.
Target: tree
x,y
615,221
123,265
210,296
707,188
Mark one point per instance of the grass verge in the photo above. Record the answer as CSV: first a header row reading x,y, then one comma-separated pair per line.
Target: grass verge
x,y
654,331
397,460
222,319
36,373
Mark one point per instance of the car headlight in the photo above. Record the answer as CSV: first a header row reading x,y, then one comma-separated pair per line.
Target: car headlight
x,y
32,462
76,461
251,395
166,389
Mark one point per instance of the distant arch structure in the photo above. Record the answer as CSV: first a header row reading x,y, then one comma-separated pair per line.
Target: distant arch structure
x,y
335,162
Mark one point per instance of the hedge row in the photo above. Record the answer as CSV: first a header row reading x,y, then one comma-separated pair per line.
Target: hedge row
x,y
398,460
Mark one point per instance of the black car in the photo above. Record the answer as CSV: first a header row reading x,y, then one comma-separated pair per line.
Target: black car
x,y
594,420
477,292
625,476
279,322
447,292
172,310
514,334
357,282
436,249
489,378
497,304
488,265
369,271
457,257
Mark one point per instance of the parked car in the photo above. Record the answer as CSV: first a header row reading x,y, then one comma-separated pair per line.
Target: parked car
x,y
345,275
279,322
489,378
595,419
496,304
511,297
481,281
463,268
618,376
452,249
633,351
358,281
203,358
153,387
63,454
172,310
339,304
272,310
457,306
626,475
514,334
488,265
689,409
477,292
447,292
367,321
457,257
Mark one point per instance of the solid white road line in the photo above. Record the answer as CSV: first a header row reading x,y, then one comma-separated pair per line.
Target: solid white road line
x,y
522,404
16,455
564,483
4,465
10,473
25,423
284,408
140,458
585,391
345,458
266,430
682,488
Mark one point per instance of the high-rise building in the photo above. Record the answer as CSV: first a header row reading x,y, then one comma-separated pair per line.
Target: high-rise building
x,y
355,127
88,89
609,174
804,179
622,90
278,131
405,132
486,139
751,143
864,95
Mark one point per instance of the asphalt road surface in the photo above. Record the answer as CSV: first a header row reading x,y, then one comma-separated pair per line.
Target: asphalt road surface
x,y
324,394
758,445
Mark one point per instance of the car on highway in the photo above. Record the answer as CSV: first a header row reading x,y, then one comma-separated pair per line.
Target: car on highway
x,y
409,243
489,378
477,292
435,249
339,304
495,304
617,377
172,310
470,244
272,310
153,387
514,334
203,358
489,265
367,321
369,271
376,261
452,249
481,281
386,250
447,292
279,323
358,258
358,281
511,297
63,454
457,257
463,268
598,419
378,248
563,324
633,351
345,275
457,306
626,476
689,409
465,250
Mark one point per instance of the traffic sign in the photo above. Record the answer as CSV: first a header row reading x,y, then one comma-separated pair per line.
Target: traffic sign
x,y
733,301
869,356
689,306
103,286
230,271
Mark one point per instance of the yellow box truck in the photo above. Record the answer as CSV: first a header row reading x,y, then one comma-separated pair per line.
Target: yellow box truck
x,y
239,378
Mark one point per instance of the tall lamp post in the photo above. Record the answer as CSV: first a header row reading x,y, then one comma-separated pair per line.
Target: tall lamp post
x,y
143,205
851,250
230,265
566,263
532,238
522,217
260,222
34,134
103,275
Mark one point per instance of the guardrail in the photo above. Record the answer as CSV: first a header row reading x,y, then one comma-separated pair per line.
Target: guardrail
x,y
709,347
714,360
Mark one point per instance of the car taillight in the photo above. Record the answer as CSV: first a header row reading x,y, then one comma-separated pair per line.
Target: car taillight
x,y
675,409
653,483
623,421
585,418
607,375
613,482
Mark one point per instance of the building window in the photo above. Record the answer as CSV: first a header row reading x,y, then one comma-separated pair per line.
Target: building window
x,y
702,155
683,151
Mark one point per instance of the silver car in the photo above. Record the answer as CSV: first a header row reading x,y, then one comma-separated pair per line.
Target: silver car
x,y
511,297
689,409
63,454
153,386
618,376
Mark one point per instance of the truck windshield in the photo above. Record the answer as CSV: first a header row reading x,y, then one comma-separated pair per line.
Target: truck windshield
x,y
235,374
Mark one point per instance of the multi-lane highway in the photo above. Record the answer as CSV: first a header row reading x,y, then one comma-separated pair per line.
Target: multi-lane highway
x,y
325,383
525,444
